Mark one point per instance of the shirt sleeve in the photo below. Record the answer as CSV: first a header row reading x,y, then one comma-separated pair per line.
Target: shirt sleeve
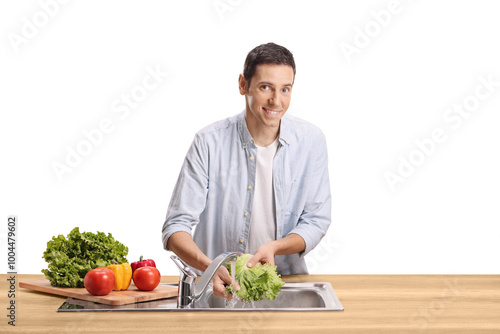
x,y
316,216
190,192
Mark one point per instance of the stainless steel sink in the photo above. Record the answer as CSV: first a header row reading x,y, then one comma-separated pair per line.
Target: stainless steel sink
x,y
317,296
293,297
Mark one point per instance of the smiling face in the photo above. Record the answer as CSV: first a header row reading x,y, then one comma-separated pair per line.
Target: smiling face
x,y
267,97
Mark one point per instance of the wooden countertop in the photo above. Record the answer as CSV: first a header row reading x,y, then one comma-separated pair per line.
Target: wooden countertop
x,y
372,303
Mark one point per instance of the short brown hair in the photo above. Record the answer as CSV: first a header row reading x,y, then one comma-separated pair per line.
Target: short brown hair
x,y
269,53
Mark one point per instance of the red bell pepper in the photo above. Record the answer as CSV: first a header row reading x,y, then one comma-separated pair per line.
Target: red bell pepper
x,y
142,263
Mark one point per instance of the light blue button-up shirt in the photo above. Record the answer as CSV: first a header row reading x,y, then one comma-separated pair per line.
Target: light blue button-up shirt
x,y
214,192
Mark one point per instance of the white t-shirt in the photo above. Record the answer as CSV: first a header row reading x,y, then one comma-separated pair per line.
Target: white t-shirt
x,y
263,221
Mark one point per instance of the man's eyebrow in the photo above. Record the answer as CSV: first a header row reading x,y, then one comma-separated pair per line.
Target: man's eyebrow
x,y
270,84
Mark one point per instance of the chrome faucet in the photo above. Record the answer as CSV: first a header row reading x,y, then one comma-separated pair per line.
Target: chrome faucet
x,y
189,292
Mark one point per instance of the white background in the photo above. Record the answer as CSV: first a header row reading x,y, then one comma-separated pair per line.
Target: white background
x,y
64,79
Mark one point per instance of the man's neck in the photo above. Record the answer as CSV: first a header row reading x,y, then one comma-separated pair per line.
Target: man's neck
x,y
262,136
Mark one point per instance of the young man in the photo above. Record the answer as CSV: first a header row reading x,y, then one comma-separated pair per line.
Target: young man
x,y
254,183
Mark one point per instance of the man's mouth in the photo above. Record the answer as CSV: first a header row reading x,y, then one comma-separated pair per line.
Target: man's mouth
x,y
271,112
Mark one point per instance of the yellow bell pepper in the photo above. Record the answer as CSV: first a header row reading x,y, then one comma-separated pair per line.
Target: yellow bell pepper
x,y
123,275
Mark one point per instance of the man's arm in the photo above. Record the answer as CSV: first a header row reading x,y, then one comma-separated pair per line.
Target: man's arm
x,y
182,244
186,205
190,192
315,217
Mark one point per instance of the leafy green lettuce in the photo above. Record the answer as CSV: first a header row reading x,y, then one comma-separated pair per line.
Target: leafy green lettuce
x,y
256,282
71,258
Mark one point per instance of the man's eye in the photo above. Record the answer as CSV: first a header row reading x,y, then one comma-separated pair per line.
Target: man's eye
x,y
286,90
264,87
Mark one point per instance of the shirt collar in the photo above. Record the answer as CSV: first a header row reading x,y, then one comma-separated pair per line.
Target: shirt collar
x,y
285,134
246,137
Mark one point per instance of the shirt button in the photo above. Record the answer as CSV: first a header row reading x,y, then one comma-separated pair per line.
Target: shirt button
x,y
250,187
244,144
251,158
246,214
241,241
251,141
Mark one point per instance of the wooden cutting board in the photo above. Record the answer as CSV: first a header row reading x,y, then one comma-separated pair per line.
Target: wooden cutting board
x,y
129,296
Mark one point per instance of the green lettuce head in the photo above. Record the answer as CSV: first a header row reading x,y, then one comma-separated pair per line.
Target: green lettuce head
x,y
69,259
256,282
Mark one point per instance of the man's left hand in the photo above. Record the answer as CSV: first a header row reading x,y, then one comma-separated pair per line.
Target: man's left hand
x,y
264,254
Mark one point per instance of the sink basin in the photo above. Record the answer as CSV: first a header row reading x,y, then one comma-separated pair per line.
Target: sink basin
x,y
310,296
293,297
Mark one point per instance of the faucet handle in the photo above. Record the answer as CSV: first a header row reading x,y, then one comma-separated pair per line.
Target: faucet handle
x,y
183,267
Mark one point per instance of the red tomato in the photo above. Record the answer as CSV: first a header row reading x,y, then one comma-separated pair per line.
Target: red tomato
x,y
146,278
99,281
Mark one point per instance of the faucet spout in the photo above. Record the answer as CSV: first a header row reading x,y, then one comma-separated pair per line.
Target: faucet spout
x,y
209,273
189,292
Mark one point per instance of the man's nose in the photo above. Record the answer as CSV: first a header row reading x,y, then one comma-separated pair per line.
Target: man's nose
x,y
274,100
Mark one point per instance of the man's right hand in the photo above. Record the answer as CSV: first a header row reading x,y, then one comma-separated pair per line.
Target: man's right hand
x,y
219,281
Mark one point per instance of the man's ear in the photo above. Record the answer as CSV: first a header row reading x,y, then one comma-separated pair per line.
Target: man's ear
x,y
242,84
